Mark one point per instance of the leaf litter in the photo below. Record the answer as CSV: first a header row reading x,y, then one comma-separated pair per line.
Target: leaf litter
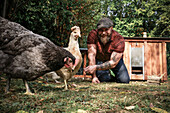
x,y
86,97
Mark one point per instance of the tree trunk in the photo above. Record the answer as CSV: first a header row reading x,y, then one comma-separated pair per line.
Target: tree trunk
x,y
4,9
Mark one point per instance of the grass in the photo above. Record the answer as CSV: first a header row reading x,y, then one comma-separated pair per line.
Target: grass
x,y
83,95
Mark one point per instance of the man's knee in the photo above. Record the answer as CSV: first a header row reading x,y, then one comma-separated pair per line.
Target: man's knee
x,y
123,79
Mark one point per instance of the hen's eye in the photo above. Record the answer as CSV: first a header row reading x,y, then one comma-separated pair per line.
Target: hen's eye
x,y
70,61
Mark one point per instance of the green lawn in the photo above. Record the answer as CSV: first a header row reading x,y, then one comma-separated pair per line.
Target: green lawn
x,y
83,95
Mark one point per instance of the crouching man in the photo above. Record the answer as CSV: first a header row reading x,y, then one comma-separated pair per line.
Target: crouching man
x,y
105,51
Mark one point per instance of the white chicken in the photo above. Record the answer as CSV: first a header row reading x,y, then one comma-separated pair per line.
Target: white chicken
x,y
73,47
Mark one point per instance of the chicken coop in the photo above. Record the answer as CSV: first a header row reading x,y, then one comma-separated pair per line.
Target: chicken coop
x,y
142,56
145,57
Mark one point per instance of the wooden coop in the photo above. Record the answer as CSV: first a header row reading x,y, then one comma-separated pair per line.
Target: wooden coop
x,y
145,57
142,56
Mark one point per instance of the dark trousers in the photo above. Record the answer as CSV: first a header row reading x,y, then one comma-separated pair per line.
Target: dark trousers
x,y
120,71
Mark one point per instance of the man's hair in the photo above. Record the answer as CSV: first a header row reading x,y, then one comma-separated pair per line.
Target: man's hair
x,y
104,23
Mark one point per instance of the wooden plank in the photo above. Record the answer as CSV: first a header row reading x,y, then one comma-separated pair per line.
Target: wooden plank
x,y
150,40
153,82
124,53
164,66
137,71
84,65
149,65
126,56
136,77
160,56
82,76
154,60
145,59
137,44
141,44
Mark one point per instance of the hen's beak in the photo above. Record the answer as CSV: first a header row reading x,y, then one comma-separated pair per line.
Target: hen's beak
x,y
73,68
77,36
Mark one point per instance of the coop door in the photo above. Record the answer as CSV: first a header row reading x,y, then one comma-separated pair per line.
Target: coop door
x,y
137,62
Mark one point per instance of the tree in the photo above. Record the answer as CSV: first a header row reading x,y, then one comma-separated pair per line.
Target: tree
x,y
132,17
53,18
162,25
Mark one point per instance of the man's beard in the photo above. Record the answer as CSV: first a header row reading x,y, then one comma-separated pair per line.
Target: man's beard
x,y
104,39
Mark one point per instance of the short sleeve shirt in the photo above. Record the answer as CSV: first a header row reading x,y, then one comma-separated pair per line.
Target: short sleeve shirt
x,y
116,43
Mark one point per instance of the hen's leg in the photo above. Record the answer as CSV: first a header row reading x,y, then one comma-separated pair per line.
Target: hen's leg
x,y
8,85
28,91
65,82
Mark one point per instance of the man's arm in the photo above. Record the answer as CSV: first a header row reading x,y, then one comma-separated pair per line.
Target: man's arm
x,y
92,56
92,53
92,60
114,59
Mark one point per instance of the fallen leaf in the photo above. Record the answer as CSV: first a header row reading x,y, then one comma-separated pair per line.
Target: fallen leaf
x,y
122,92
21,111
158,110
40,81
40,111
81,111
93,96
73,85
122,111
14,97
42,99
130,107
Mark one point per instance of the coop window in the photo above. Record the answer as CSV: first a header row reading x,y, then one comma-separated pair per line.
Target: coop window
x,y
137,60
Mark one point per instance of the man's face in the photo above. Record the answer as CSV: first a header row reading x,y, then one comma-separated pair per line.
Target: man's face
x,y
104,34
105,31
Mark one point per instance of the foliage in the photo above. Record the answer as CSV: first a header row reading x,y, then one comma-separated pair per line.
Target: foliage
x,y
162,26
104,97
53,18
132,17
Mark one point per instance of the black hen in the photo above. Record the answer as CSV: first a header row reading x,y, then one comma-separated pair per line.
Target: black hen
x,y
26,55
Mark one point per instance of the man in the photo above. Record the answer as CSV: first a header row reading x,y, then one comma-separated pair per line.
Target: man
x,y
105,51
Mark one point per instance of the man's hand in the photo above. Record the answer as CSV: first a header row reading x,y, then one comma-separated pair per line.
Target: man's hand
x,y
90,69
95,80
